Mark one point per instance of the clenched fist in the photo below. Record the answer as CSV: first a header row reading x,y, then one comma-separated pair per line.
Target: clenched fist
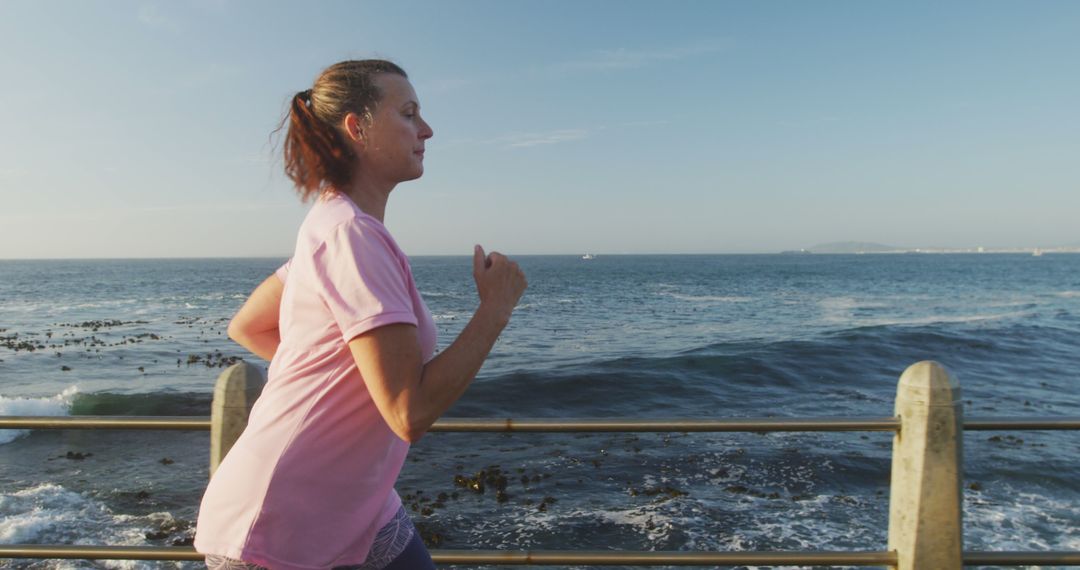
x,y
499,282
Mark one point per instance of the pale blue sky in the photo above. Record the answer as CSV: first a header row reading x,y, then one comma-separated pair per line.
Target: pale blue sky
x,y
140,129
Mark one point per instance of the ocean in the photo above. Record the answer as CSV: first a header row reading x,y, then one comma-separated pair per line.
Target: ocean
x,y
694,336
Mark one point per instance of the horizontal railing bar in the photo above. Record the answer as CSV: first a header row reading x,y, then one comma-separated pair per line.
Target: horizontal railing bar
x,y
535,557
191,423
557,425
550,425
611,558
99,552
1021,558
1044,423
553,557
665,425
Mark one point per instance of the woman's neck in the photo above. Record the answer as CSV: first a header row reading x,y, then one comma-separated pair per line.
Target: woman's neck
x,y
369,196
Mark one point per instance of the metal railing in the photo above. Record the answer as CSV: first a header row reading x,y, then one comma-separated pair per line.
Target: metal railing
x,y
552,425
914,552
576,558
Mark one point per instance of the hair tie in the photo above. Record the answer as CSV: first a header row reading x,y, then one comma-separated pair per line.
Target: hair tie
x,y
305,95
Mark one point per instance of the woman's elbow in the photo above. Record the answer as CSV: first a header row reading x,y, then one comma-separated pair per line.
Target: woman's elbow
x,y
407,433
409,427
236,332
411,435
247,338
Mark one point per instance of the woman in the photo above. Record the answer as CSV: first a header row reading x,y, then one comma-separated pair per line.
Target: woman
x,y
353,379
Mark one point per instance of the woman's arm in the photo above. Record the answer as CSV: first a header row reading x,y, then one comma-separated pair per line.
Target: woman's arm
x,y
255,325
410,395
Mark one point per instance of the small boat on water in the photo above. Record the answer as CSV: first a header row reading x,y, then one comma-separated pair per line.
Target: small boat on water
x,y
588,256
1037,253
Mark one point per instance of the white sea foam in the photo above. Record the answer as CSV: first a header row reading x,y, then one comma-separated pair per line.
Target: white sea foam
x,y
801,525
1016,524
29,514
841,310
1068,294
52,307
708,298
57,405
437,294
204,297
50,513
647,520
523,531
936,319
838,303
1011,303
533,527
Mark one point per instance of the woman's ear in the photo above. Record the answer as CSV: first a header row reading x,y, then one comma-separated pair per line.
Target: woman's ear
x,y
354,127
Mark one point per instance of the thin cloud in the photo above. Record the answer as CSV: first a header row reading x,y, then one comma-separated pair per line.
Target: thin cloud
x,y
151,15
622,58
200,207
110,213
524,140
809,122
652,123
537,139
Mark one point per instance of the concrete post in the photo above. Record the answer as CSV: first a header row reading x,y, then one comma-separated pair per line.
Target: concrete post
x,y
236,390
925,493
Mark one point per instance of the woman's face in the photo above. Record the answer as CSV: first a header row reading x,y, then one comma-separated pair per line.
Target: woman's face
x,y
393,142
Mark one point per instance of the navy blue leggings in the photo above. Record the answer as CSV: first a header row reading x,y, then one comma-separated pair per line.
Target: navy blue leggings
x,y
414,557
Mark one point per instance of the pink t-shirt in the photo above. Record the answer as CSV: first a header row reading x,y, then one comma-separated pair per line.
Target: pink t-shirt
x,y
311,480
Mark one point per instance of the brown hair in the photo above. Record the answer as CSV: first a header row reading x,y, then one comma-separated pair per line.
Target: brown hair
x,y
317,158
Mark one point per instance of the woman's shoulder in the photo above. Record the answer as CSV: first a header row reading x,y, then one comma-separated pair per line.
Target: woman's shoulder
x,y
335,216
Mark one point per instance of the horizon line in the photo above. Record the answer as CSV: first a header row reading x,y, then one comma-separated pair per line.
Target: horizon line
x,y
784,253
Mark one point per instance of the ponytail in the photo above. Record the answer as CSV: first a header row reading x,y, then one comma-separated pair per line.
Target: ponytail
x,y
315,157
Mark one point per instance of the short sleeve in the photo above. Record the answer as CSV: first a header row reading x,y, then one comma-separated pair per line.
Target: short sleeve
x,y
283,271
362,280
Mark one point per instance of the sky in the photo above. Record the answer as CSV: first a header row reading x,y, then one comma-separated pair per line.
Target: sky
x,y
143,128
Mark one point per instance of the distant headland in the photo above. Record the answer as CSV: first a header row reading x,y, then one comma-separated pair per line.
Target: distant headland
x,y
864,247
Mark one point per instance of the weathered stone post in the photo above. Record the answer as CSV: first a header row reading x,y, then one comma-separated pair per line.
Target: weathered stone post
x,y
236,390
925,493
